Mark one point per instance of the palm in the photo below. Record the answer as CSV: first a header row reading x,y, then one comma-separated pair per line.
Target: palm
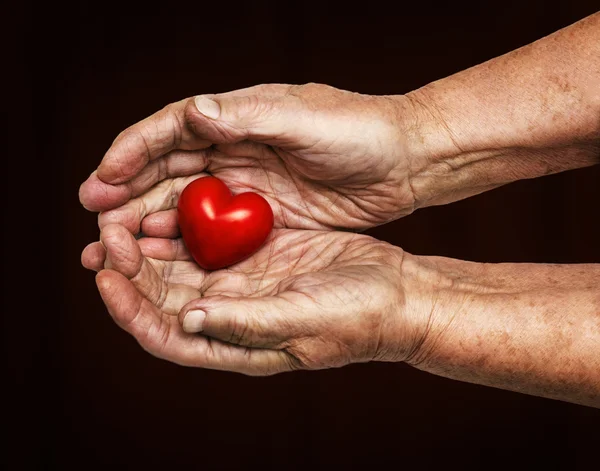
x,y
301,199
327,267
287,260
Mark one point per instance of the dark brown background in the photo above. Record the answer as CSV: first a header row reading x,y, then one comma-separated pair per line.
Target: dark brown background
x,y
87,396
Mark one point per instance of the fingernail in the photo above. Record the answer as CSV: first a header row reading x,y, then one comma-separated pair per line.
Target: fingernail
x,y
207,107
193,320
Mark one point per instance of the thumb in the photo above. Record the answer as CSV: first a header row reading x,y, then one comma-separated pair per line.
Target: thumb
x,y
227,118
265,322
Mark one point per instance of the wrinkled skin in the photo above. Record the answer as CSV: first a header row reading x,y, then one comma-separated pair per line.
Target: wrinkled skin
x,y
306,300
324,158
311,297
327,159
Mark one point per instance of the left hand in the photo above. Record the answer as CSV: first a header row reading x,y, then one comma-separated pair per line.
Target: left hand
x,y
306,300
323,158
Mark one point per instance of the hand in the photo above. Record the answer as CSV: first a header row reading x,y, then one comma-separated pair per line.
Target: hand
x,y
306,300
322,157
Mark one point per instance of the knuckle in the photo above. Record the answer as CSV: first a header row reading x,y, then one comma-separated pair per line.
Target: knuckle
x,y
312,88
248,108
273,88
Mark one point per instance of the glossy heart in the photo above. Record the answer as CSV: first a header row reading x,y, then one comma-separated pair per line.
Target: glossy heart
x,y
220,229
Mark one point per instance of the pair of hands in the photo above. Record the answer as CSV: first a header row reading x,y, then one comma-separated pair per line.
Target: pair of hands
x,y
312,296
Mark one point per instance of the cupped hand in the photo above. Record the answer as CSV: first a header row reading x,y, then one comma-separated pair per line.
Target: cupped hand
x,y
306,300
324,158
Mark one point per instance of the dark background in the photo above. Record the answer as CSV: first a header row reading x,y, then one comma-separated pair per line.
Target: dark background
x,y
84,395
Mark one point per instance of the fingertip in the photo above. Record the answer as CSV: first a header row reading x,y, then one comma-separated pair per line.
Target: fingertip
x,y
198,305
123,301
123,253
96,195
84,196
207,106
93,256
191,111
257,322
113,286
105,281
88,193
204,117
193,321
112,174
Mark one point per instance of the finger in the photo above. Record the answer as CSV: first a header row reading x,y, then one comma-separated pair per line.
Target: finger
x,y
96,195
161,224
184,270
123,254
146,141
93,256
253,322
270,116
160,198
204,352
163,337
133,163
164,249
161,133
128,307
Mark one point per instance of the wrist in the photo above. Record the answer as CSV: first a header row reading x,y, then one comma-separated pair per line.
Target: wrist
x,y
454,157
423,304
440,166
448,290
441,295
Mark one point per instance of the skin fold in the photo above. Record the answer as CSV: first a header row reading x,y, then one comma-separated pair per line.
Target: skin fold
x,y
332,163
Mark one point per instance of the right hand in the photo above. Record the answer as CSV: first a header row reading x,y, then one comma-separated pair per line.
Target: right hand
x,y
324,158
306,300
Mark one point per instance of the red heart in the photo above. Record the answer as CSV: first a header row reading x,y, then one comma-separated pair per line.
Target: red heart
x,y
220,229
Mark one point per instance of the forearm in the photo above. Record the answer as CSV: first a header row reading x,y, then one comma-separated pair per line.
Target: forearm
x,y
531,328
531,112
